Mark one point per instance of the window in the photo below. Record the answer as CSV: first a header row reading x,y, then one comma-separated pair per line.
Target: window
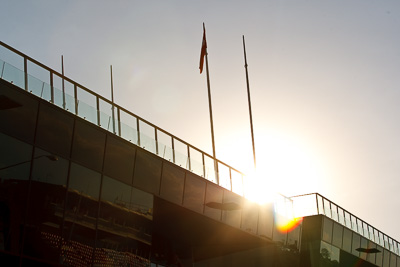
x,y
147,172
194,193
88,146
172,182
327,230
54,132
119,159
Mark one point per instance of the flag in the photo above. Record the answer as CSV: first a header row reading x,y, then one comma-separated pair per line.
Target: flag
x,y
203,49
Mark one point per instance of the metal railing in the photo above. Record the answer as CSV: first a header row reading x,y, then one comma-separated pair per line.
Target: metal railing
x,y
314,204
79,100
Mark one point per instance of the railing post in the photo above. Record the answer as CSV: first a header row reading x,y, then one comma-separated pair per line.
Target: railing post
x,y
138,131
188,156
173,149
26,73
98,110
76,99
119,121
230,178
52,88
156,139
204,165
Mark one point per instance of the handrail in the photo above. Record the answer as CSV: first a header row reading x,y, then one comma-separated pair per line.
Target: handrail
x,y
367,230
98,97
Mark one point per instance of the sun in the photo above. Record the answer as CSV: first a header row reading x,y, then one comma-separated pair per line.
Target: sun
x,y
285,165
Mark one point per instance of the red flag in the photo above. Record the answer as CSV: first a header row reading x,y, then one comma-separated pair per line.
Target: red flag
x,y
203,49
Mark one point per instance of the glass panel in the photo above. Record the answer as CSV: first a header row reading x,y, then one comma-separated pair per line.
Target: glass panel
x,y
250,216
147,172
266,220
237,182
386,258
376,236
181,154
128,127
87,106
364,244
210,169
224,176
379,256
119,159
304,206
341,216
18,113
12,74
347,239
232,214
54,130
365,230
353,223
46,205
84,183
359,227
194,193
347,219
213,197
39,81
147,137
11,57
337,235
124,225
49,169
88,145
108,116
80,215
381,239
66,100
294,237
335,216
386,242
371,233
393,260
371,256
15,159
165,146
196,162
329,255
327,230
320,205
39,88
173,179
355,244
327,208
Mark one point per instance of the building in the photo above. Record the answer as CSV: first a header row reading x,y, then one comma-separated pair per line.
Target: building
x,y
95,185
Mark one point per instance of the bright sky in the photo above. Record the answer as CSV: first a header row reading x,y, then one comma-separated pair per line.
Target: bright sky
x,y
324,79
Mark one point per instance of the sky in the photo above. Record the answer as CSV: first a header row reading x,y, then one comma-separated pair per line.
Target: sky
x,y
324,81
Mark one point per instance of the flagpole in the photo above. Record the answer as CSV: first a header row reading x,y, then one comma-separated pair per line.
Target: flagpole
x,y
211,116
248,96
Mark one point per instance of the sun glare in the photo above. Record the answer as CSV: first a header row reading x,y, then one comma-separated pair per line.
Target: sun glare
x,y
284,165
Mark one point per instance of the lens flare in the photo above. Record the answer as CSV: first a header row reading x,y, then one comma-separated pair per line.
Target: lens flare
x,y
285,225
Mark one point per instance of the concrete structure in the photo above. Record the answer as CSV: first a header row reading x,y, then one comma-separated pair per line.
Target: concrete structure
x,y
96,185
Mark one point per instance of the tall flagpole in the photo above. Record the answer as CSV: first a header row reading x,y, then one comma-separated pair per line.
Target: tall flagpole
x,y
205,53
248,96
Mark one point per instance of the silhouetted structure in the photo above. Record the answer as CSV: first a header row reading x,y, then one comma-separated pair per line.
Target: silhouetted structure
x,y
78,189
